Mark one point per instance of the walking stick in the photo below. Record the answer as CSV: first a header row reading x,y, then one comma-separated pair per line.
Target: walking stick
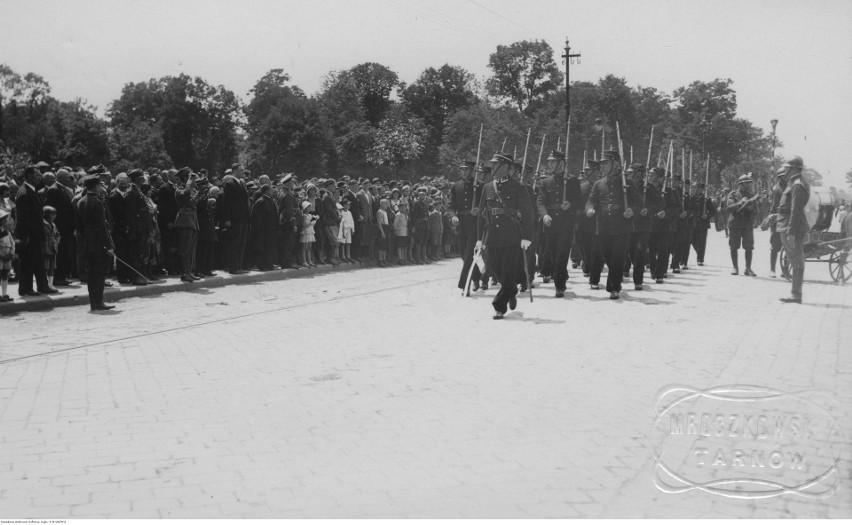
x,y
122,261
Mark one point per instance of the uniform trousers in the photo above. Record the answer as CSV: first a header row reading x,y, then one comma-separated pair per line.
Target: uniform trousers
x,y
559,238
636,251
65,257
98,265
699,242
589,250
658,249
187,239
794,244
467,243
504,266
613,252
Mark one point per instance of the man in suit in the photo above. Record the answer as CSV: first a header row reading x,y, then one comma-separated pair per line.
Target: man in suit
x,y
120,233
59,195
368,223
167,210
136,219
793,225
29,229
235,215
96,242
287,206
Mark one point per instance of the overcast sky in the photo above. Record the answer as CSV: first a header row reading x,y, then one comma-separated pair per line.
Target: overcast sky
x,y
789,59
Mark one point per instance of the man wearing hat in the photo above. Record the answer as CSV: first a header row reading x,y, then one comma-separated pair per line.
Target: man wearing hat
x,y
365,220
557,201
330,221
793,225
504,225
137,218
741,210
704,209
586,236
614,220
287,219
95,241
680,235
29,230
775,244
464,195
652,202
235,215
59,195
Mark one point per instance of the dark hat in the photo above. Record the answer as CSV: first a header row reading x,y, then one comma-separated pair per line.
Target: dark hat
x,y
48,209
183,173
135,174
657,171
91,181
392,184
506,158
42,164
251,184
329,182
376,180
611,154
592,164
467,164
235,165
794,162
744,179
636,166
341,184
556,155
286,178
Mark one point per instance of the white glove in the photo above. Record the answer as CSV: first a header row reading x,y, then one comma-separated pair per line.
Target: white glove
x,y
525,244
565,205
478,245
547,220
454,221
590,212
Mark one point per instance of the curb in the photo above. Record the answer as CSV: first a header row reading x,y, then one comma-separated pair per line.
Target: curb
x,y
49,302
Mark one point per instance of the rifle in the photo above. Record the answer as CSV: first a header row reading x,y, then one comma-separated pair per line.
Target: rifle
x,y
706,181
473,202
558,143
647,169
683,175
669,161
503,147
565,167
538,166
621,155
527,147
631,154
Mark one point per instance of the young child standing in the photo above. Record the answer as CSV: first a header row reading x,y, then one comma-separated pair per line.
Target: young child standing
x,y
436,233
7,253
400,231
384,233
347,229
51,243
307,238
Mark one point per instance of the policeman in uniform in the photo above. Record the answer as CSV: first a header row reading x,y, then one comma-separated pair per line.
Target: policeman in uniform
x,y
693,210
741,209
793,225
774,237
528,257
704,209
586,238
614,220
558,201
663,207
504,226
680,234
462,206
96,241
641,224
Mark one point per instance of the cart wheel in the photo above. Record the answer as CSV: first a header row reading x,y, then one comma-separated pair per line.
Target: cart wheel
x,y
785,264
840,266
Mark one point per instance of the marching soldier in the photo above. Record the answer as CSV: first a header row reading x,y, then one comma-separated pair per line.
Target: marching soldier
x,y
641,225
614,220
558,201
586,236
741,209
704,209
528,257
666,206
463,197
693,211
680,235
505,224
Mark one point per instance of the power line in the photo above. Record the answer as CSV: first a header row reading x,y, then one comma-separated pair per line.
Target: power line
x,y
474,2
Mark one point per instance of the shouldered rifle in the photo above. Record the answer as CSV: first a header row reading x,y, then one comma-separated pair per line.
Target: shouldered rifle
x,y
621,155
647,169
476,169
538,165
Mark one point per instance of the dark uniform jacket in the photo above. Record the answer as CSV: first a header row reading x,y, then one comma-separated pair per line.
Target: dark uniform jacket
x,y
136,216
585,224
30,216
549,200
506,214
791,209
92,225
287,207
463,195
740,216
775,201
166,205
607,199
187,200
703,206
656,202
640,223
59,197
235,201
118,212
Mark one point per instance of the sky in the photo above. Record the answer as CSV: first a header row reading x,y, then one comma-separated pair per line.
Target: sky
x,y
790,60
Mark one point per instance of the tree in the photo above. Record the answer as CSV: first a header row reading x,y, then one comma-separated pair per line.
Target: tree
x,y
397,143
523,72
136,144
283,128
849,177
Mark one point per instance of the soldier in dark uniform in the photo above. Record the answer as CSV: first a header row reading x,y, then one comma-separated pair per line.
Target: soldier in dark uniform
x,y
774,238
136,220
585,236
693,210
741,209
557,201
528,257
681,231
464,196
614,221
504,226
96,242
639,240
660,207
704,209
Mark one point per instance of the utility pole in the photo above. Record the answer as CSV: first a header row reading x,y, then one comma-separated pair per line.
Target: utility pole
x,y
774,123
568,59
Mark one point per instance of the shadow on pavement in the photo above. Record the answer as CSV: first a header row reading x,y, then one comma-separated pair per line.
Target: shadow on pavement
x,y
535,320
825,305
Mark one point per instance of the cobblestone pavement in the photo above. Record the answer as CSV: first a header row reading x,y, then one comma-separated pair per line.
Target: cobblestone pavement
x,y
382,393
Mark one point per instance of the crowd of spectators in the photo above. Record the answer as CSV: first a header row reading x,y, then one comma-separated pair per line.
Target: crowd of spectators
x,y
191,224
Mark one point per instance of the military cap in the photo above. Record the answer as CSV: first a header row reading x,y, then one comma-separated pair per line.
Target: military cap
x,y
503,157
286,178
636,166
229,171
657,171
611,154
341,184
556,155
42,164
794,162
744,179
484,168
135,174
48,209
377,180
467,164
592,164
91,181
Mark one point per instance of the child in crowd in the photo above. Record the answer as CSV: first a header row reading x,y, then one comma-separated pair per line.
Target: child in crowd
x,y
400,232
449,232
384,233
347,229
7,254
436,232
51,243
307,238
